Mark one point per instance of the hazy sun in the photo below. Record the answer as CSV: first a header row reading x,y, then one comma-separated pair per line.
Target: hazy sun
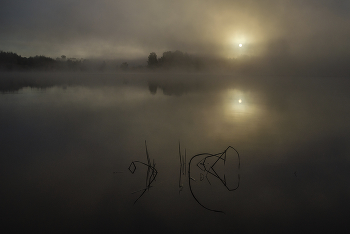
x,y
240,45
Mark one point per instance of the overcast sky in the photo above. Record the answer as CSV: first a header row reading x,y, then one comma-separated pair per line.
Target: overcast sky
x,y
134,28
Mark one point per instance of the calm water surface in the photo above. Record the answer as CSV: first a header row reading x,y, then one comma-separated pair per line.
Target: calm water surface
x,y
68,143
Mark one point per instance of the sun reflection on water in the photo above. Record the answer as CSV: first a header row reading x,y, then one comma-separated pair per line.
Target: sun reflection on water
x,y
239,106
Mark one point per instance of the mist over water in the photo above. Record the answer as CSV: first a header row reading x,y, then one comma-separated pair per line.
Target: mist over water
x,y
68,141
174,116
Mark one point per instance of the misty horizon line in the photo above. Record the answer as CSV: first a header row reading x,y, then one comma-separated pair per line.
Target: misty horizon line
x,y
183,61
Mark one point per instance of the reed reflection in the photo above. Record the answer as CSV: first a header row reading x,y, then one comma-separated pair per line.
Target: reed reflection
x,y
209,165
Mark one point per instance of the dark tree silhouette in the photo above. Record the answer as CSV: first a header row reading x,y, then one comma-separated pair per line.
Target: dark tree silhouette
x,y
11,61
152,60
177,60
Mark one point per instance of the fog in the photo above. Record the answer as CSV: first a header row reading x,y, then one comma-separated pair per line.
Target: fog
x,y
65,134
85,84
88,83
132,29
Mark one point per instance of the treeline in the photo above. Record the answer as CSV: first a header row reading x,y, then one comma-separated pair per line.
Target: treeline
x,y
177,60
174,60
10,61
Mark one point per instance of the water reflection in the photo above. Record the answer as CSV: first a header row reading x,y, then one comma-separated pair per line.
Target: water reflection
x,y
61,144
208,164
150,176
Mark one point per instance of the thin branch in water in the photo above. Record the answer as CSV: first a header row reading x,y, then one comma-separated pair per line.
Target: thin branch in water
x,y
182,172
151,173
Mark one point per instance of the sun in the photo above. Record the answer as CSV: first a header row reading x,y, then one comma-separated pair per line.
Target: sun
x,y
240,45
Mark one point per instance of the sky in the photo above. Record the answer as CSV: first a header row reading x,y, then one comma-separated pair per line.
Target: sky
x,y
131,29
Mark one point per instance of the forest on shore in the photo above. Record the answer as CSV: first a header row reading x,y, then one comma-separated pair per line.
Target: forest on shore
x,y
179,61
176,60
10,61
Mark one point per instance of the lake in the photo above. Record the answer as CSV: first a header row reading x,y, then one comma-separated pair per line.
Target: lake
x,y
174,153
